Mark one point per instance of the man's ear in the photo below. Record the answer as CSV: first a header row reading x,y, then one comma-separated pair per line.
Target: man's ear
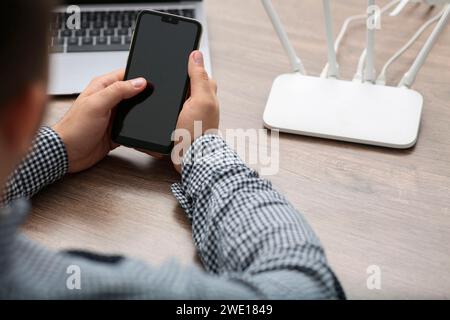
x,y
21,118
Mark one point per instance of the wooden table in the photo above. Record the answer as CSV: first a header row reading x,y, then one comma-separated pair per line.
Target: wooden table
x,y
369,205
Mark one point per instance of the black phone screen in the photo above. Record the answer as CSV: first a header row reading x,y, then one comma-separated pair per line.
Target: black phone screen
x,y
159,52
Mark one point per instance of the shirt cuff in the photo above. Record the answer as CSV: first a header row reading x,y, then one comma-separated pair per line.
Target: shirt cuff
x,y
206,158
49,156
46,162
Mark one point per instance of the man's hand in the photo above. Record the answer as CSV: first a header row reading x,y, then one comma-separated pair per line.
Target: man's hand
x,y
86,128
201,106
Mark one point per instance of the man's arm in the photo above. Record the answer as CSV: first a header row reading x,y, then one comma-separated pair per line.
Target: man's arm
x,y
45,163
245,230
253,243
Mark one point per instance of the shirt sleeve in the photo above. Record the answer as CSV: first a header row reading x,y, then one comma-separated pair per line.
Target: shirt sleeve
x,y
243,227
45,163
253,243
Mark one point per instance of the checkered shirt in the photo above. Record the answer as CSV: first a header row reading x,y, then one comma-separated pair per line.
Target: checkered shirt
x,y
253,243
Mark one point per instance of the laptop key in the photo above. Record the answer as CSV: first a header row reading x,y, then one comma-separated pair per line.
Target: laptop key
x,y
120,15
89,16
112,24
112,14
126,24
80,33
99,24
98,48
116,40
66,33
108,32
99,15
102,40
122,32
86,41
94,32
72,41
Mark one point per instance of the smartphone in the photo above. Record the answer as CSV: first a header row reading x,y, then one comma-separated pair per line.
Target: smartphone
x,y
159,52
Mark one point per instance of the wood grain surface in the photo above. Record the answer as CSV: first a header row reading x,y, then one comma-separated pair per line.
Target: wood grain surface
x,y
369,205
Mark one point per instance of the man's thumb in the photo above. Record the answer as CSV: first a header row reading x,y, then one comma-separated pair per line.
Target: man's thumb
x,y
109,97
197,73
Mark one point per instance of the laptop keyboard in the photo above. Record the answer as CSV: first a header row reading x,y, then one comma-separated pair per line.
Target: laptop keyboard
x,y
100,31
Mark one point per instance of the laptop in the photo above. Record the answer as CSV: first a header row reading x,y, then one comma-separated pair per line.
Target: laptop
x,y
102,43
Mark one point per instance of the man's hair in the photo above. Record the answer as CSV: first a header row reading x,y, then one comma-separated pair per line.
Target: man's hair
x,y
24,30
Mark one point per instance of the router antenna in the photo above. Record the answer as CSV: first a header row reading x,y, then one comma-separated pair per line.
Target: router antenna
x,y
295,61
410,76
333,70
369,74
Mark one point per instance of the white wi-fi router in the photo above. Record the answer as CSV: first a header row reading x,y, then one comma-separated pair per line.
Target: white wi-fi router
x,y
343,110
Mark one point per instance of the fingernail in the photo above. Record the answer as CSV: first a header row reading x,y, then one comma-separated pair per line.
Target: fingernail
x,y
198,58
138,83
